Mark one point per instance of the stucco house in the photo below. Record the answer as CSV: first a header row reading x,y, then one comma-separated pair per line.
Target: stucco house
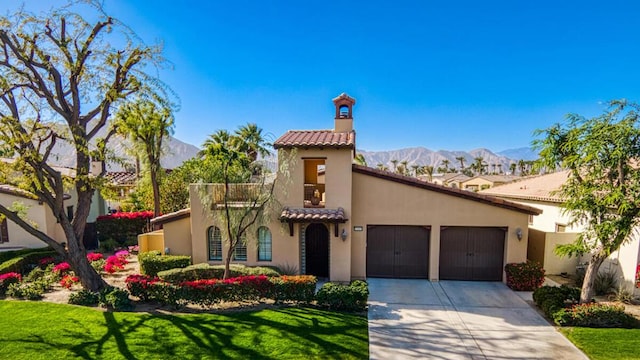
x,y
481,182
553,227
13,236
450,179
343,221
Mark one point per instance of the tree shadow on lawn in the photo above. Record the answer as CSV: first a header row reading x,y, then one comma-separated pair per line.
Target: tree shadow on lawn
x,y
247,335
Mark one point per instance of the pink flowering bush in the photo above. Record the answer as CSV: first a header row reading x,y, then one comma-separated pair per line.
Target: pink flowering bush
x,y
94,257
638,276
8,279
62,268
526,276
115,263
68,281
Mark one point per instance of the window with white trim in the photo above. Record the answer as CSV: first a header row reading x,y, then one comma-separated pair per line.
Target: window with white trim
x,y
214,237
264,244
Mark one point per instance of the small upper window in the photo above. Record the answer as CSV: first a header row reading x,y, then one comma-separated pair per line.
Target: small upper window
x,y
561,227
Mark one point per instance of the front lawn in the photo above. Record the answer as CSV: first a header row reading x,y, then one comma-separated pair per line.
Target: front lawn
x,y
39,330
605,344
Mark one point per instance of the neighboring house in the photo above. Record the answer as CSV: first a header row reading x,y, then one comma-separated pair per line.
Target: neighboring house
x,y
552,228
37,213
449,180
482,182
367,223
121,184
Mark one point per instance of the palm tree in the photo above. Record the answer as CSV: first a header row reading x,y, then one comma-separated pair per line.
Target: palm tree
x,y
522,165
445,163
428,170
380,166
360,160
512,168
395,165
405,167
493,167
478,164
415,168
461,159
251,141
219,138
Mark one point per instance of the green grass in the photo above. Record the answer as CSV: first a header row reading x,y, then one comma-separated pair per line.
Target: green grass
x,y
606,344
39,330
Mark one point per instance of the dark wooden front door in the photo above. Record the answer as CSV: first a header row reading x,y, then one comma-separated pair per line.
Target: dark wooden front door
x,y
396,251
317,250
471,253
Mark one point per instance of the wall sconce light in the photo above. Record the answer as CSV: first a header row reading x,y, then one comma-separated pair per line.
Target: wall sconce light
x,y
343,235
519,234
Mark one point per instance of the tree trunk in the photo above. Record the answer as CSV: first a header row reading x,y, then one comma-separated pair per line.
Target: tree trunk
x,y
156,192
227,261
588,285
77,257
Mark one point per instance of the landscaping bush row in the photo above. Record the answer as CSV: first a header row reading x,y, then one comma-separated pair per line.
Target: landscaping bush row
x,y
26,261
151,262
110,297
352,297
526,276
212,291
123,227
560,304
8,255
206,271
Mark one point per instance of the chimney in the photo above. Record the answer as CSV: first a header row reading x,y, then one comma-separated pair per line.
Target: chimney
x,y
344,113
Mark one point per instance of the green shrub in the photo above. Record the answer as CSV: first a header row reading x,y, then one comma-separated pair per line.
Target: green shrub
x,y
352,297
25,262
114,298
206,271
152,262
8,279
28,291
606,282
595,315
84,298
553,298
8,255
526,276
297,288
287,269
108,245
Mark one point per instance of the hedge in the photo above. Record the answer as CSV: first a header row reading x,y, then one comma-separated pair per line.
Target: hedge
x,y
595,315
526,276
123,227
8,255
553,298
152,262
206,271
22,263
213,291
352,297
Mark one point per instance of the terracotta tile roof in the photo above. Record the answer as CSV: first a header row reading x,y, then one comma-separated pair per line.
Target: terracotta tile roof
x,y
16,191
312,214
534,188
498,178
469,195
176,215
316,138
121,177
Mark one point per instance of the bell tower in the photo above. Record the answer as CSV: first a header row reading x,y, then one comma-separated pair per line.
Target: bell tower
x,y
344,113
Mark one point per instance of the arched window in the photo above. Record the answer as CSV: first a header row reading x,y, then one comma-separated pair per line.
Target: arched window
x,y
264,244
240,252
214,238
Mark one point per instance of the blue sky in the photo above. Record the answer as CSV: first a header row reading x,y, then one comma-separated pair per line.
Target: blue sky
x,y
453,75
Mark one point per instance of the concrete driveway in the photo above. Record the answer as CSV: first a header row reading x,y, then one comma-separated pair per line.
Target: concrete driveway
x,y
418,319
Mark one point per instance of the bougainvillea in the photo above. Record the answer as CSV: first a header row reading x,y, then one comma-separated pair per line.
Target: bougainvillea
x,y
638,276
526,276
94,257
68,281
115,263
127,215
122,227
12,276
62,267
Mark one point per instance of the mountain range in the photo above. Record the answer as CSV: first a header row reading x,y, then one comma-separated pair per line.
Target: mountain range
x,y
178,151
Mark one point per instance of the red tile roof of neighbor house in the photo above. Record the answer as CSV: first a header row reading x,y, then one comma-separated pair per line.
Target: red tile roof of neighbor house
x,y
539,188
316,138
121,177
312,214
469,195
176,215
16,191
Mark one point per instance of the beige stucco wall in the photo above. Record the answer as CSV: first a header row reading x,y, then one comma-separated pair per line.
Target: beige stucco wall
x,y
177,236
551,214
536,245
380,202
555,264
477,183
624,262
36,214
152,241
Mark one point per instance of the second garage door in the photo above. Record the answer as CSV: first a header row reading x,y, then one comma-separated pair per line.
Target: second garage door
x,y
396,251
471,253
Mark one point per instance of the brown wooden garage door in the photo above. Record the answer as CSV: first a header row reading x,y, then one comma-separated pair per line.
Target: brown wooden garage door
x,y
396,251
471,253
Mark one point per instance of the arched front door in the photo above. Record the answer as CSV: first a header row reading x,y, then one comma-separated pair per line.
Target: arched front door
x,y
317,250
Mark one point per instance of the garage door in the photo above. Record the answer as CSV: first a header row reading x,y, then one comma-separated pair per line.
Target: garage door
x,y
398,251
471,253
